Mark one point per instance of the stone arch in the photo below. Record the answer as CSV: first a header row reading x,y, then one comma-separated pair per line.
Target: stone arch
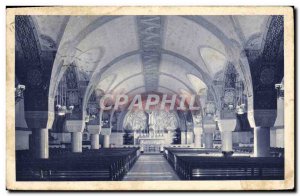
x,y
34,72
233,51
267,65
72,97
266,69
60,62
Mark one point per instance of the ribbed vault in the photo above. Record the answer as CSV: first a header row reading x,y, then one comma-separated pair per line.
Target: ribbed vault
x,y
166,54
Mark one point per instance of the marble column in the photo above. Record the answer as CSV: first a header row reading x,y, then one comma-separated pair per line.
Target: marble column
x,y
75,127
197,140
106,141
198,130
208,140
76,141
262,120
94,131
226,141
183,136
39,122
226,127
262,141
209,127
40,143
95,141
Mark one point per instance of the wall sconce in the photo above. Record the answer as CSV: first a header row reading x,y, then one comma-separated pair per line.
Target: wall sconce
x,y
280,90
240,109
19,92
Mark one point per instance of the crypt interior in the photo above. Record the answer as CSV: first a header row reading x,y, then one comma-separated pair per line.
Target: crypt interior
x,y
64,65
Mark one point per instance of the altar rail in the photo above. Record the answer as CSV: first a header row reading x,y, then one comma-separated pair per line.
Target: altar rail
x,y
90,165
190,165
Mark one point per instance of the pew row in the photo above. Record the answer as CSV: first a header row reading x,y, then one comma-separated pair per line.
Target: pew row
x,y
195,164
90,165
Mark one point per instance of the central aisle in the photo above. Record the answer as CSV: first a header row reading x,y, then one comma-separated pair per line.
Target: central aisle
x,y
151,167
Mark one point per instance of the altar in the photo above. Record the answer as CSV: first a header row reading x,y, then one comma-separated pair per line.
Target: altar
x,y
154,140
151,145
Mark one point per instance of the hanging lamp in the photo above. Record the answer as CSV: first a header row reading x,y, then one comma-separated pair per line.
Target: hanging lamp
x,y
62,108
240,108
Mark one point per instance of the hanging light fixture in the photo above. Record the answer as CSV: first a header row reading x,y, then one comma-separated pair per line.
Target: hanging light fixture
x,y
241,106
88,118
62,108
59,105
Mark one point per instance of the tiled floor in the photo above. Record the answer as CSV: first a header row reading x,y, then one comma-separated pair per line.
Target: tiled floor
x,y
151,168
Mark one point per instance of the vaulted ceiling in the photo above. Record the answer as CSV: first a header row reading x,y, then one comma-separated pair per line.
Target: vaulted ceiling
x,y
138,54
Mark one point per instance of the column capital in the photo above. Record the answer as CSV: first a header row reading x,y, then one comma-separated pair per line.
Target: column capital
x,y
209,124
106,131
94,129
39,119
227,124
74,125
262,118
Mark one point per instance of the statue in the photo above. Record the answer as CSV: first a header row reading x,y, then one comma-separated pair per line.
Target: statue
x,y
151,118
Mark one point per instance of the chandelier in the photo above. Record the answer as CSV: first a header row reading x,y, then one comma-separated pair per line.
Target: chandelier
x,y
88,118
61,106
241,106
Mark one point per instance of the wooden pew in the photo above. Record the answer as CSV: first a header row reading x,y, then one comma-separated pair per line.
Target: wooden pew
x,y
171,153
231,168
103,164
191,164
